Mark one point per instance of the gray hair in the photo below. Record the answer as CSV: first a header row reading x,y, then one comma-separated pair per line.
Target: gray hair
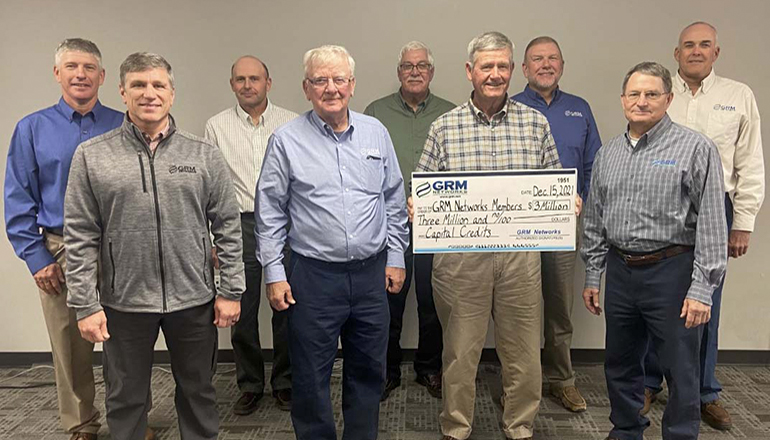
x,y
326,54
650,68
77,45
488,41
415,45
542,40
696,23
142,61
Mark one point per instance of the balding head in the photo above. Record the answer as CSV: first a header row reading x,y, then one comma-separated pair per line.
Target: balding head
x,y
252,58
696,52
700,25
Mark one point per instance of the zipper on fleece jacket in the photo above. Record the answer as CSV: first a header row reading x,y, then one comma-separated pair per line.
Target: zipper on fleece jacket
x,y
112,262
205,262
141,167
151,155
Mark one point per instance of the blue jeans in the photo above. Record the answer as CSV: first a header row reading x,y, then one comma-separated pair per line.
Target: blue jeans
x,y
346,301
644,302
709,385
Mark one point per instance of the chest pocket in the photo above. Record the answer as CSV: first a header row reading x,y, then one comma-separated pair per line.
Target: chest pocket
x,y
723,127
665,191
371,171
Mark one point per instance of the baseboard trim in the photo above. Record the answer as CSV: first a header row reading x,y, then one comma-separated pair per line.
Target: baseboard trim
x,y
579,356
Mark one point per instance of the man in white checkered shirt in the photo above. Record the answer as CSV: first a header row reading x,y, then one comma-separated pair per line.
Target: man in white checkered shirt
x,y
241,133
655,219
489,132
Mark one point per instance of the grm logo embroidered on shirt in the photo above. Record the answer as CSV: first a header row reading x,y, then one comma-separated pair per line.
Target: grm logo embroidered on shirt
x,y
370,152
573,113
724,108
664,162
181,169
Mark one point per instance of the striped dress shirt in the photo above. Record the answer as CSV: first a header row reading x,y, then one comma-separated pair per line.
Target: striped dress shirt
x,y
667,190
464,139
243,144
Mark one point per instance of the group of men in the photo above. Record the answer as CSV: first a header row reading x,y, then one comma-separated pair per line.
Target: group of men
x,y
319,202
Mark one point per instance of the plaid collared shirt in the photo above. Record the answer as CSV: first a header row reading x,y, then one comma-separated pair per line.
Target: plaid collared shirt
x,y
464,139
667,190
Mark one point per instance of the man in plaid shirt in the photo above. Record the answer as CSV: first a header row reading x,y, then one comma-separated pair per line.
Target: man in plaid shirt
x,y
489,132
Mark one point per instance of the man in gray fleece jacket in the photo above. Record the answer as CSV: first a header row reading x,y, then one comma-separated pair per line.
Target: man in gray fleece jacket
x,y
137,211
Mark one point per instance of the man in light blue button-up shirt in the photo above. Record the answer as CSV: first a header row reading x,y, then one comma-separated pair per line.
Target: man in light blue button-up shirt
x,y
334,175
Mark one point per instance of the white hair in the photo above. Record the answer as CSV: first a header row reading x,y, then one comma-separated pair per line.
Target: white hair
x,y
325,55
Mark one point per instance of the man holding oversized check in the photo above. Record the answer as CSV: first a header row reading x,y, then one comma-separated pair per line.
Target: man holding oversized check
x,y
465,217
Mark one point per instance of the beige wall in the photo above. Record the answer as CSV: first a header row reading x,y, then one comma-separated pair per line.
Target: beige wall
x,y
600,41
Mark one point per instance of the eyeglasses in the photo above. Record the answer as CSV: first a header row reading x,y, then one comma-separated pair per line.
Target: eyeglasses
x,y
322,82
648,96
408,67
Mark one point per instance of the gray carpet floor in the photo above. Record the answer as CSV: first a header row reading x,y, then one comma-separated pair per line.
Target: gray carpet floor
x,y
409,414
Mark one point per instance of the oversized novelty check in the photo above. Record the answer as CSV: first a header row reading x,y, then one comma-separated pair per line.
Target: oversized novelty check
x,y
532,210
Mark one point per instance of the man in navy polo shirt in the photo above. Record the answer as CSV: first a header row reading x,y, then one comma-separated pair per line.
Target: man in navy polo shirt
x,y
577,140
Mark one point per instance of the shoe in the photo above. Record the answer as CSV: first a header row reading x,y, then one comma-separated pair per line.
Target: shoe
x,y
570,398
448,437
149,434
649,398
716,416
83,436
283,399
390,385
246,404
432,382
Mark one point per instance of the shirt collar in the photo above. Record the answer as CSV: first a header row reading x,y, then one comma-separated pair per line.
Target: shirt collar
x,y
326,129
655,132
532,94
705,85
70,113
420,107
245,117
496,118
130,127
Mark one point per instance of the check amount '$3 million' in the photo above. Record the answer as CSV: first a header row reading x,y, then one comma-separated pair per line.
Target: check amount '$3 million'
x,y
532,210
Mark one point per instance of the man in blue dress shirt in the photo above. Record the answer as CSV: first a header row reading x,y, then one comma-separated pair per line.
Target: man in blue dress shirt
x,y
334,174
577,140
35,179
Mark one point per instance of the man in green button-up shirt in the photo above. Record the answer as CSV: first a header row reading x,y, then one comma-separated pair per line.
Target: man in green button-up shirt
x,y
408,114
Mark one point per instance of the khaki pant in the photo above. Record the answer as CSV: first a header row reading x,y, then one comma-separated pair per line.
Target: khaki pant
x,y
558,278
468,289
72,356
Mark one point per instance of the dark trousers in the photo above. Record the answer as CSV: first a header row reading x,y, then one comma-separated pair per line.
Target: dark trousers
x,y
249,362
337,300
709,385
427,360
191,338
645,302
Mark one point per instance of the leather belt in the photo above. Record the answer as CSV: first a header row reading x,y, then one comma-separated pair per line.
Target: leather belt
x,y
653,257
